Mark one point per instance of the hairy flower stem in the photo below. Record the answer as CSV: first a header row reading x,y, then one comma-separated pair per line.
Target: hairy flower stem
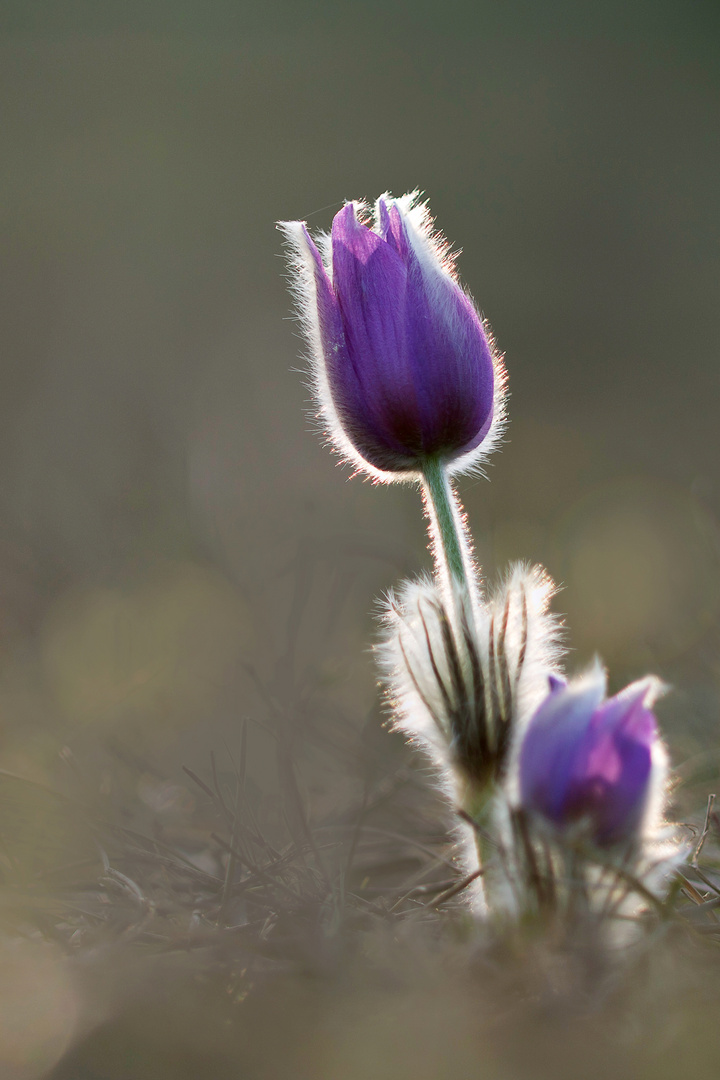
x,y
476,807
452,566
443,510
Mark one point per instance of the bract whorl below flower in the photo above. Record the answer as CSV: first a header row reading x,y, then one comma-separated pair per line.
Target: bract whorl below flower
x,y
460,678
404,368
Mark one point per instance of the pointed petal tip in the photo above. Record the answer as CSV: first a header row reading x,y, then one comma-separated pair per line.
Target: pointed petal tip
x,y
346,222
593,679
294,233
645,691
290,226
297,236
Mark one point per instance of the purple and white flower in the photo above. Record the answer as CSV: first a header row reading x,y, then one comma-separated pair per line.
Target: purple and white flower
x,y
593,764
405,370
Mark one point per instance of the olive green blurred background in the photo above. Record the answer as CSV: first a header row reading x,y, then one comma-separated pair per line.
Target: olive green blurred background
x,y
172,533
160,481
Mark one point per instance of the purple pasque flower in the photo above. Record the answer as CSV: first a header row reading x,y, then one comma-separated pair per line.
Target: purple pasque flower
x,y
404,368
590,760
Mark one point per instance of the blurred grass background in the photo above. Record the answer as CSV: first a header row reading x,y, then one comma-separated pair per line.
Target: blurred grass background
x,y
176,547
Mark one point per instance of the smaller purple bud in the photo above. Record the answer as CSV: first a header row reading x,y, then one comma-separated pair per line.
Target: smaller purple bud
x,y
584,759
405,371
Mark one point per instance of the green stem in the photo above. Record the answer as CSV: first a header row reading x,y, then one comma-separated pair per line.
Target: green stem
x,y
477,804
440,500
451,560
475,809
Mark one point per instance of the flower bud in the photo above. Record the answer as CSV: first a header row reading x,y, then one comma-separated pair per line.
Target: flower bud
x,y
593,763
404,369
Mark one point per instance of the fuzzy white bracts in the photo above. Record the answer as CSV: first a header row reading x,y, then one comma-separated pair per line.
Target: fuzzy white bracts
x,y
463,675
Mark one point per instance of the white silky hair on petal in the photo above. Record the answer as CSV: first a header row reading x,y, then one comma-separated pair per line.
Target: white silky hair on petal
x,y
653,827
653,821
437,260
323,242
303,288
433,250
660,849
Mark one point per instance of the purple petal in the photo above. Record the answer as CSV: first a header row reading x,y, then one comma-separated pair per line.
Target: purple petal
x,y
452,357
370,282
392,228
328,310
377,393
621,814
585,760
406,360
554,741
620,760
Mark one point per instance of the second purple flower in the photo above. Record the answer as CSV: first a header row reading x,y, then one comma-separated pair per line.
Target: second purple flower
x,y
586,759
